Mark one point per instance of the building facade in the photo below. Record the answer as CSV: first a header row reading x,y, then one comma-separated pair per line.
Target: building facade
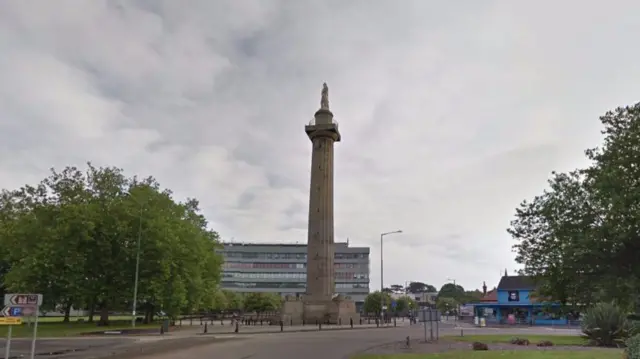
x,y
282,269
511,303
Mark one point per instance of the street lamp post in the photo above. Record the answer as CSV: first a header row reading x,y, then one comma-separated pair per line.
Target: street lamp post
x,y
137,273
135,281
382,269
455,317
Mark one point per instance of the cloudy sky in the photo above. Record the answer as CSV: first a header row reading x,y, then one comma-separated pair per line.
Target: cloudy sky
x,y
451,112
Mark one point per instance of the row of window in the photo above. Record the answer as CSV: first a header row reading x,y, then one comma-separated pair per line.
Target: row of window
x,y
339,275
291,265
302,285
302,256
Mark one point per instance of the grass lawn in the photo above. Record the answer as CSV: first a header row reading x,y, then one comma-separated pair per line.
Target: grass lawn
x,y
524,354
502,338
58,329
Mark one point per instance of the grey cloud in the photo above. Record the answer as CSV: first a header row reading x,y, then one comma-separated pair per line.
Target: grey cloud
x,y
451,114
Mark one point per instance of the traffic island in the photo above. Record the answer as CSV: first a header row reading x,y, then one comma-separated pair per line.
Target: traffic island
x,y
452,349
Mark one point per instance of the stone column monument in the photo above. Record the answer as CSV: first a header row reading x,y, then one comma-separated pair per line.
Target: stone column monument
x,y
323,133
320,304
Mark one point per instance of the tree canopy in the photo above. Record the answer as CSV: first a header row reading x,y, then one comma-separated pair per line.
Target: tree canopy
x,y
419,287
75,237
580,238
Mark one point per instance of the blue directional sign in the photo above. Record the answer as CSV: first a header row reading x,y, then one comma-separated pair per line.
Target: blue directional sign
x,y
17,311
394,304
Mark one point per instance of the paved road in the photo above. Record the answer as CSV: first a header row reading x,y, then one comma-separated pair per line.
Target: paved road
x,y
256,345
95,346
327,344
50,347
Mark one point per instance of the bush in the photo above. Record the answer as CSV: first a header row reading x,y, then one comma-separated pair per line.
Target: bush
x,y
605,325
545,343
632,351
519,341
479,346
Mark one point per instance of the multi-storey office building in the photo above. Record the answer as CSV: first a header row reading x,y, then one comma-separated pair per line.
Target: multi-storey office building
x,y
282,268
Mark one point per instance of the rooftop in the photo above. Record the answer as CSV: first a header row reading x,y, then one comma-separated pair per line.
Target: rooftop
x,y
516,282
285,245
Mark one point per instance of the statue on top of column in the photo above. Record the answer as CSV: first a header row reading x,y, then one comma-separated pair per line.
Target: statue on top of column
x,y
324,100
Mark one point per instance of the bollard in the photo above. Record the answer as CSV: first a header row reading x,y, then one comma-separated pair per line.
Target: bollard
x,y
319,326
394,322
200,320
339,321
303,322
351,322
180,321
237,327
377,323
291,322
281,326
161,329
205,328
461,332
191,321
408,342
361,321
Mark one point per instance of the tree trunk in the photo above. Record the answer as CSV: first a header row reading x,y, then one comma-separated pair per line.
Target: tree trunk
x,y
92,310
148,316
104,315
67,313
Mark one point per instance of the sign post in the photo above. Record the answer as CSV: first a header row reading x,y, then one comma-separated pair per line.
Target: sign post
x,y
15,307
7,349
430,315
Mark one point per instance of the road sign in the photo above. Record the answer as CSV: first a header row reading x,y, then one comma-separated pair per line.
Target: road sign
x,y
23,299
10,321
394,304
429,315
17,311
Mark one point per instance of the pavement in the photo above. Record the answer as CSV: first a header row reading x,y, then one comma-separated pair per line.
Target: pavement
x,y
330,344
253,342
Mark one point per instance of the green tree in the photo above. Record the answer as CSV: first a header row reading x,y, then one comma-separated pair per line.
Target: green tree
x,y
447,305
450,290
262,302
234,300
397,288
219,301
419,287
76,237
374,301
404,304
579,238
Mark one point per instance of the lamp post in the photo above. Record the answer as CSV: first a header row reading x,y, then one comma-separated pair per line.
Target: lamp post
x,y
382,269
455,317
137,273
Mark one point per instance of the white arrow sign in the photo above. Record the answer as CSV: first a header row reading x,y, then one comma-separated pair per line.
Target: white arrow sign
x,y
17,311
23,299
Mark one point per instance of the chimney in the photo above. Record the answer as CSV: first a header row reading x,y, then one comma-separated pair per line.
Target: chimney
x,y
484,288
505,272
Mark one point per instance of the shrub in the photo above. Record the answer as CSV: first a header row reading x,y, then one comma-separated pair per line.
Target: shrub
x,y
519,341
545,343
605,325
632,351
479,346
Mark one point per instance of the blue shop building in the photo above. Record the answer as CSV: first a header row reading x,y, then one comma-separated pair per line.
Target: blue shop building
x,y
511,303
